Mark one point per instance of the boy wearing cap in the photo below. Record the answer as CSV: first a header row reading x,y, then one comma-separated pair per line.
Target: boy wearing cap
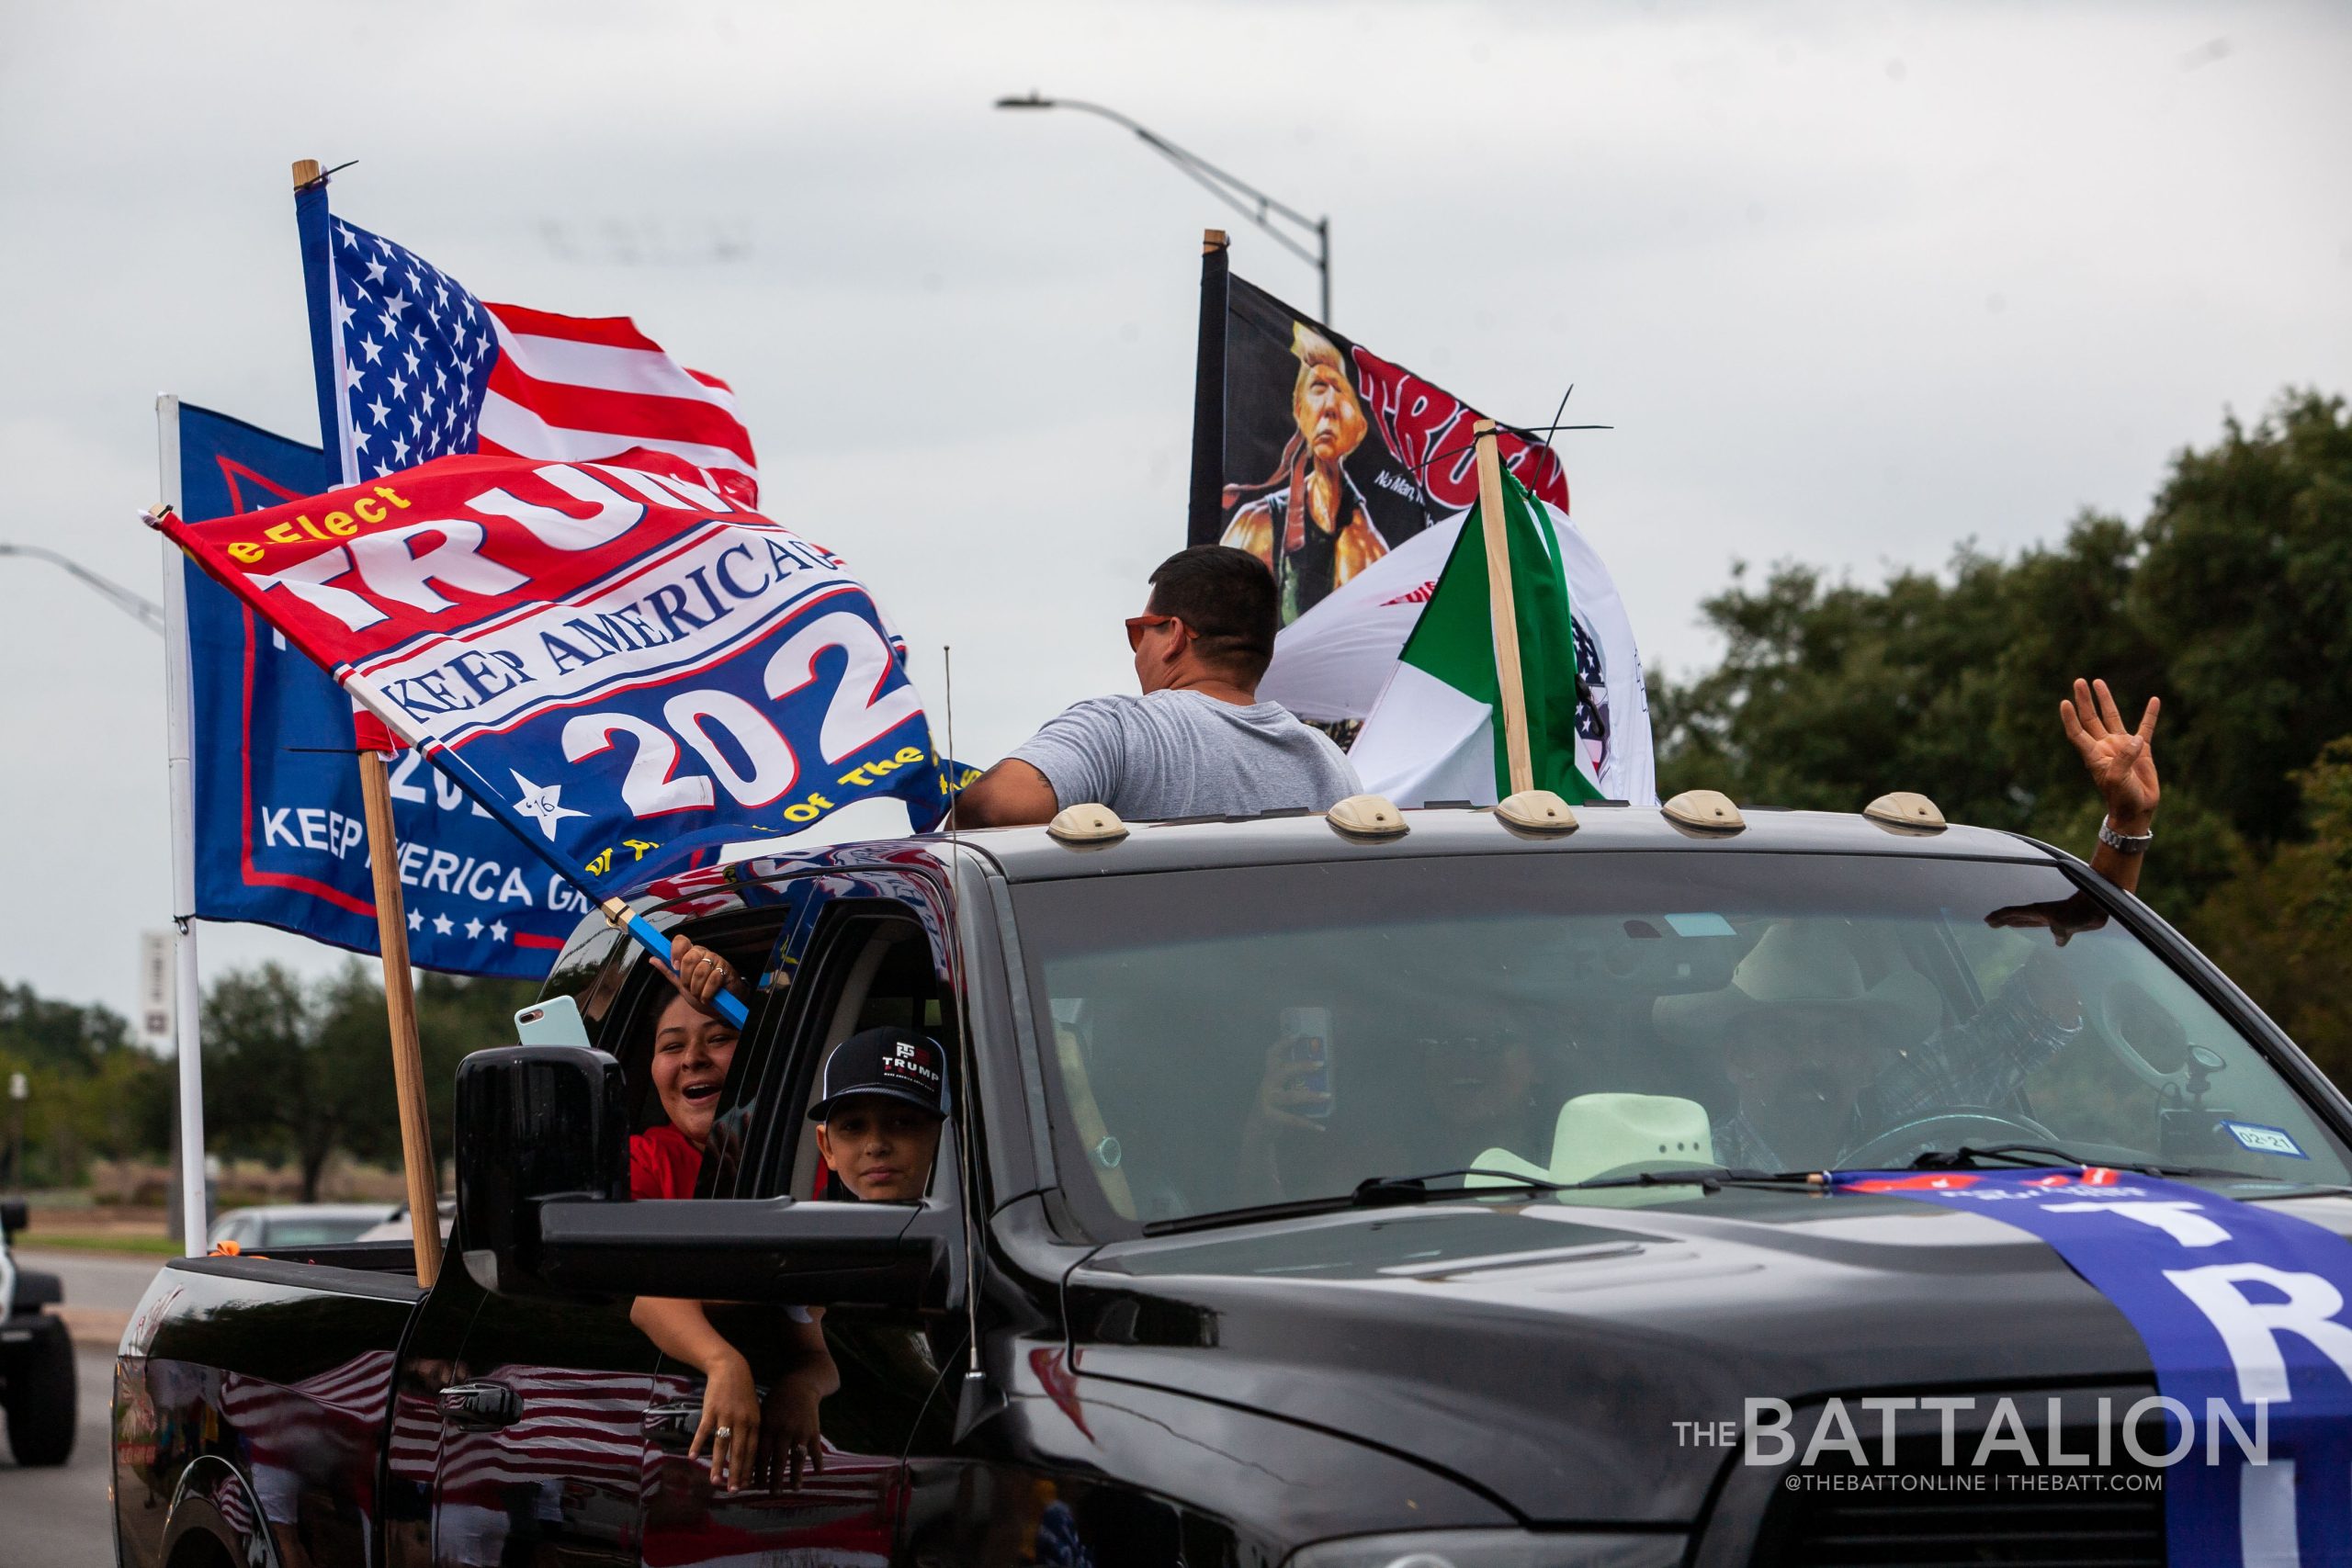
x,y
880,1106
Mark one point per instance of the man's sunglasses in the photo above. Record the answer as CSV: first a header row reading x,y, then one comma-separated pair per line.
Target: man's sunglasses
x,y
1138,625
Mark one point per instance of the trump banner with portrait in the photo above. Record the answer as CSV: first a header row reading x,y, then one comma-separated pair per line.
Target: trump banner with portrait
x,y
624,666
1349,476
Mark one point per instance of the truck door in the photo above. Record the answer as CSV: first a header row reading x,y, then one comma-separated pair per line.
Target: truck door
x,y
542,1451
871,952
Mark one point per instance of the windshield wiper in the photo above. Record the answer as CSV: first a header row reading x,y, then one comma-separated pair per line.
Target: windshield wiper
x,y
1396,1191
2030,1155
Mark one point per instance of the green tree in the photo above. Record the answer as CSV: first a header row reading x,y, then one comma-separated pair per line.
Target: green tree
x,y
2233,602
2246,582
93,1089
302,1071
2280,927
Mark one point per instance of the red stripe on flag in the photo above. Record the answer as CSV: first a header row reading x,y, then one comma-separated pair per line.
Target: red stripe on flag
x,y
612,331
532,939
632,414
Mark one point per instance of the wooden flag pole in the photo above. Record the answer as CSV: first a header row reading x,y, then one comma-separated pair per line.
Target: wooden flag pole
x,y
400,1008
399,990
1505,606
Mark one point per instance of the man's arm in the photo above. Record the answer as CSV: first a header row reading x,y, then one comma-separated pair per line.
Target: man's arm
x,y
1009,795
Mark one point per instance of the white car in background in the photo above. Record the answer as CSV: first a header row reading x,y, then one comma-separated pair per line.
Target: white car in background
x,y
297,1224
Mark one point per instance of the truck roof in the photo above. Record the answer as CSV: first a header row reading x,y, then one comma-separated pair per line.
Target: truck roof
x,y
1032,854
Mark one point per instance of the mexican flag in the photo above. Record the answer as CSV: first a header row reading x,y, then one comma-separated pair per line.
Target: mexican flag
x,y
1436,732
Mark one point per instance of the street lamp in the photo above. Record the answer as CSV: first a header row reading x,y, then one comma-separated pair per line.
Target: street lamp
x,y
1247,199
138,606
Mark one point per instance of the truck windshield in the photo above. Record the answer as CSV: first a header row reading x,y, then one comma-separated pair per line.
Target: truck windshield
x,y
1227,1038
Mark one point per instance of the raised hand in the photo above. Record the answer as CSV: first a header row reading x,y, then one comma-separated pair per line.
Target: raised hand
x,y
2121,760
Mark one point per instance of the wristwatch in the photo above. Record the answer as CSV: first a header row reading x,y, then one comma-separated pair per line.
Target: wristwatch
x,y
2123,844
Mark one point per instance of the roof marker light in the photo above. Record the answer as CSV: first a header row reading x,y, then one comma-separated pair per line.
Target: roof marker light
x,y
1907,811
1709,810
1090,823
1368,816
1537,811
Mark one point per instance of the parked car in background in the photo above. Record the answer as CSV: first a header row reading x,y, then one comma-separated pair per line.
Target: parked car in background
x,y
299,1225
36,1356
396,1228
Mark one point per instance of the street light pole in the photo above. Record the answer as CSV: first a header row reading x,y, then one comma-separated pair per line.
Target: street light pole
x,y
138,606
19,1091
1245,198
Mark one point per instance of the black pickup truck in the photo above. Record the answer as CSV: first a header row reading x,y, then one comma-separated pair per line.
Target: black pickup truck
x,y
1200,1279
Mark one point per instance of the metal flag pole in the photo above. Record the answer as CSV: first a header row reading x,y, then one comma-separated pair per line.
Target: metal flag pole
x,y
1505,606
188,1030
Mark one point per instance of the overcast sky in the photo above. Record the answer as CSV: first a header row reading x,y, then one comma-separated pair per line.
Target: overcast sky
x,y
1853,282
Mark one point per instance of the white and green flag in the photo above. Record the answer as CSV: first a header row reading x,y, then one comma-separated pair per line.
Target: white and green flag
x,y
1436,730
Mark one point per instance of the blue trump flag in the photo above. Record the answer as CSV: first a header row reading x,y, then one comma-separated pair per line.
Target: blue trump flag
x,y
621,665
2243,1309
278,836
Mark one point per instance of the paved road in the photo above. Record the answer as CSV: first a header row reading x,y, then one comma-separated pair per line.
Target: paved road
x,y
93,1279
58,1516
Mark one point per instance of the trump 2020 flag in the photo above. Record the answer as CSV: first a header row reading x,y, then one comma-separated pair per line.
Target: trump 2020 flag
x,y
1436,732
276,836
413,366
623,666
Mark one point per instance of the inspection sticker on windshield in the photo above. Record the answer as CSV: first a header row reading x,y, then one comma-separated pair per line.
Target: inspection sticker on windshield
x,y
2265,1140
1699,925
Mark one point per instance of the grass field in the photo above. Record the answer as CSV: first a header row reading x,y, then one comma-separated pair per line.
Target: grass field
x,y
102,1241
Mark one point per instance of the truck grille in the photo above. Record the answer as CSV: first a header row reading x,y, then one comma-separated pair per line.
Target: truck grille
x,y
1966,1532
1915,1519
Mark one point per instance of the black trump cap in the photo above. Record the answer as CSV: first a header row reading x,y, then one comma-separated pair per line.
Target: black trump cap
x,y
898,1063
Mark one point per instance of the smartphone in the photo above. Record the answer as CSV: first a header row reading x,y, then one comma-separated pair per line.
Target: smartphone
x,y
1306,1033
555,1021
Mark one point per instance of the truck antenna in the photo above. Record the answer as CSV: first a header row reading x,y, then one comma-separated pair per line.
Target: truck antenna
x,y
972,1402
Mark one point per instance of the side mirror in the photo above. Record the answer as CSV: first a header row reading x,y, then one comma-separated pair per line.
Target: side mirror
x,y
14,1216
535,1122
543,1207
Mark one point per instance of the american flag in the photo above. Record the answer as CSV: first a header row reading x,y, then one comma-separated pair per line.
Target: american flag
x,y
427,369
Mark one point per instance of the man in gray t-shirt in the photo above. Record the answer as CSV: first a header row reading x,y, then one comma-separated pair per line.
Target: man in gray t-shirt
x,y
1197,742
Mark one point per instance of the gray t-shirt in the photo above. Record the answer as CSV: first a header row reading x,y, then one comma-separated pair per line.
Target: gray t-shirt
x,y
1182,754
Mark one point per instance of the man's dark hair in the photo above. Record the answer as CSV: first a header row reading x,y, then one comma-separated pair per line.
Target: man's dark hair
x,y
1226,597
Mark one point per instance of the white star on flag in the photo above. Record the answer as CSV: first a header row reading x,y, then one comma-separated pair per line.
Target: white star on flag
x,y
473,927
545,804
443,925
498,930
375,271
416,921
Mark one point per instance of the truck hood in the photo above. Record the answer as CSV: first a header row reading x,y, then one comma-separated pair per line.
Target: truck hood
x,y
1567,1359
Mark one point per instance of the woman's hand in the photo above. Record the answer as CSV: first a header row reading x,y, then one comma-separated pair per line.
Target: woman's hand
x,y
698,971
788,1429
730,1423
